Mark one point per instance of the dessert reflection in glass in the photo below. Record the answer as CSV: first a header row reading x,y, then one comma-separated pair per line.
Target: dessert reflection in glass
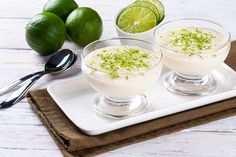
x,y
121,69
192,48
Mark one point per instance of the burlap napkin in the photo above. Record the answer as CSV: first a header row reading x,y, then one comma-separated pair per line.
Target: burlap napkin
x,y
73,142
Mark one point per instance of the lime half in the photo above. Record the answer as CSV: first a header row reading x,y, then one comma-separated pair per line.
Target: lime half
x,y
158,5
136,19
149,6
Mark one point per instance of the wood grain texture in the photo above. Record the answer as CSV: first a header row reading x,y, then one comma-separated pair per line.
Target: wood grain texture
x,y
22,133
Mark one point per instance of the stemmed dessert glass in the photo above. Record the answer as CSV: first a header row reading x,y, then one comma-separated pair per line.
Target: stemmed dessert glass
x,y
191,73
123,96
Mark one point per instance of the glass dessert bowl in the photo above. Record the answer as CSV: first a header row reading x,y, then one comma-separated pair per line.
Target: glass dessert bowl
x,y
191,49
121,69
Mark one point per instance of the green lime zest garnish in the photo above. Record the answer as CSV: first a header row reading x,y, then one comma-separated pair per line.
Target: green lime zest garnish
x,y
127,60
213,55
191,41
93,62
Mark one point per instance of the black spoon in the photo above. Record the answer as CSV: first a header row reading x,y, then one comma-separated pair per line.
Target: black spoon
x,y
58,62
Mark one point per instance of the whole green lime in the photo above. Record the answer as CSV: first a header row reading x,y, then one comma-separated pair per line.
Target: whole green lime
x,y
84,26
61,8
45,33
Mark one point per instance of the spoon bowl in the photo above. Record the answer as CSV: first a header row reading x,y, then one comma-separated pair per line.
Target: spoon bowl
x,y
60,61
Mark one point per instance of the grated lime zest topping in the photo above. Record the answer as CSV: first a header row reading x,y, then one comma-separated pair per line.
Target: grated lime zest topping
x,y
213,55
128,60
191,41
92,62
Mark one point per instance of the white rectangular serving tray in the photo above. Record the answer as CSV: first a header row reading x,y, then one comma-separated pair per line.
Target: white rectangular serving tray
x,y
75,97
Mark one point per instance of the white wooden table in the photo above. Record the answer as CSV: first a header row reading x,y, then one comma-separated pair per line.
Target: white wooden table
x,y
21,131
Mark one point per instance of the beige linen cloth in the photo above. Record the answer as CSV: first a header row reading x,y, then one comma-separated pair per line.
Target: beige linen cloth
x,y
73,143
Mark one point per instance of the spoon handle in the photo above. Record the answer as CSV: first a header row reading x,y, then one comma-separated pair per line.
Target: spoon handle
x,y
16,83
16,96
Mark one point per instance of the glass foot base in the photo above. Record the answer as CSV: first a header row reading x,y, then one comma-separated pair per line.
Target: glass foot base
x,y
190,85
119,108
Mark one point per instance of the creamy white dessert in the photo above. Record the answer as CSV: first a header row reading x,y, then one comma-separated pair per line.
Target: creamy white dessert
x,y
121,71
192,50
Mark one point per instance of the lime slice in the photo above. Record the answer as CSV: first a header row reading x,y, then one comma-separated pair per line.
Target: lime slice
x,y
158,5
147,5
136,19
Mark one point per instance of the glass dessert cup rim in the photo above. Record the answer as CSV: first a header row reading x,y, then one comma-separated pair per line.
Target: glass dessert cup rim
x,y
172,50
160,55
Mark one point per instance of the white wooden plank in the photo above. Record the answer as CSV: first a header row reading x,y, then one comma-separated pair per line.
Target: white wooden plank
x,y
19,114
174,9
225,125
13,37
8,152
220,11
177,8
22,137
28,8
194,144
